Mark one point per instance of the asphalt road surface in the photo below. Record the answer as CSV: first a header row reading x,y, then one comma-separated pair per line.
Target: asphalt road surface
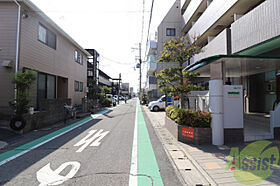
x,y
104,149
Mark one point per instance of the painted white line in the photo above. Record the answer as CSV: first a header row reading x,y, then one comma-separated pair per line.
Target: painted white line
x,y
46,141
91,140
133,179
46,176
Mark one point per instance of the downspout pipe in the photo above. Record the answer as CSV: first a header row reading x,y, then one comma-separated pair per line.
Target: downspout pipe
x,y
17,44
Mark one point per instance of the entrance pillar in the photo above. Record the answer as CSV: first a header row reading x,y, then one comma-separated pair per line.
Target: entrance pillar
x,y
216,103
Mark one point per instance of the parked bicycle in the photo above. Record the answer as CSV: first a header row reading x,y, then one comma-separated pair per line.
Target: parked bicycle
x,y
69,112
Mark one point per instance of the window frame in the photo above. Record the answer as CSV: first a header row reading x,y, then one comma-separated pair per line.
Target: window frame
x,y
76,88
48,37
78,57
169,31
81,86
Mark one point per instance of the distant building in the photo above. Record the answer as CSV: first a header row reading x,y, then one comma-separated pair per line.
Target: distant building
x,y
104,79
125,89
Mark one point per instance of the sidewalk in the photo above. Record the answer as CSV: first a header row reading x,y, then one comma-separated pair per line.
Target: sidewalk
x,y
204,164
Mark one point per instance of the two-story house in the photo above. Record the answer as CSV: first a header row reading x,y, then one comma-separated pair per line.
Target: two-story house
x,y
60,62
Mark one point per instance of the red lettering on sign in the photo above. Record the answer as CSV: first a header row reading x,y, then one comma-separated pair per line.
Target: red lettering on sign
x,y
189,133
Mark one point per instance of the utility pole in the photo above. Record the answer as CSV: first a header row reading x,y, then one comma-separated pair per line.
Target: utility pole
x,y
119,88
140,74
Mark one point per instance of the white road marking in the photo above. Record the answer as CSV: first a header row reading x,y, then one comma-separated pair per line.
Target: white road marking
x,y
133,180
47,176
88,140
46,141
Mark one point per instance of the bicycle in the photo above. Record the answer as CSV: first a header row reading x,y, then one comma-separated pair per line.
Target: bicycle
x,y
69,111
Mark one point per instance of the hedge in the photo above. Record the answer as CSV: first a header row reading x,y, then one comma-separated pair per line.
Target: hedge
x,y
189,117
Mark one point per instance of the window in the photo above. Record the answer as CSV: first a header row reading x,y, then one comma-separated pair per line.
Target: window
x,y
51,87
81,87
46,87
42,34
46,36
78,57
170,32
76,86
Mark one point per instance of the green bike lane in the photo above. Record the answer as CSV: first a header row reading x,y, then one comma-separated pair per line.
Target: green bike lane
x,y
153,165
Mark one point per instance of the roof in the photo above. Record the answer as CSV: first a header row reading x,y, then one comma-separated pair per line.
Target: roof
x,y
104,74
51,22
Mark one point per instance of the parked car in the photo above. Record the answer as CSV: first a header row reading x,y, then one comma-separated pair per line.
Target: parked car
x,y
160,104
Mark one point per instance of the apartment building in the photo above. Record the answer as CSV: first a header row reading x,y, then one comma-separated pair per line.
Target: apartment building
x,y
60,62
170,27
151,82
239,62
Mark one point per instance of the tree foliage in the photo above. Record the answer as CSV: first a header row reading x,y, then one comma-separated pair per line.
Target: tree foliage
x,y
23,81
175,81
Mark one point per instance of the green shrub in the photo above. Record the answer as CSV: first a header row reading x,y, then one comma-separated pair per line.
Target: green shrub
x,y
198,118
174,113
168,109
181,116
106,102
189,117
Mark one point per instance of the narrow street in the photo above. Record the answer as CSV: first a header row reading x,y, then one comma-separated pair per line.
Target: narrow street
x,y
105,149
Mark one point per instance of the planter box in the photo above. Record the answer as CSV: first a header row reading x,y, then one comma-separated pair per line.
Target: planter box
x,y
186,134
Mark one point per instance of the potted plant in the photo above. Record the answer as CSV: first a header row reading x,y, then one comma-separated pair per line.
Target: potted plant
x,y
23,81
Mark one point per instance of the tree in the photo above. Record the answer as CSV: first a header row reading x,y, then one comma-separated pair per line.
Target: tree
x,y
23,81
106,90
175,81
93,89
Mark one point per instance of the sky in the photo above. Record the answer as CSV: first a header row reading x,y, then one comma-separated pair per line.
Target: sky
x,y
112,27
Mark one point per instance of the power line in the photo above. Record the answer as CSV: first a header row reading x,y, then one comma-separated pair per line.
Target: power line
x,y
151,15
114,61
143,21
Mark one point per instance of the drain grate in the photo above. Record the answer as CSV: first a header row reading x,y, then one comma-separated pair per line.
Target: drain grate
x,y
188,169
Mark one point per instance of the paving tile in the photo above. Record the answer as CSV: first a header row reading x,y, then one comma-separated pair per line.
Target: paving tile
x,y
222,175
193,149
223,181
171,147
183,164
193,177
212,165
176,154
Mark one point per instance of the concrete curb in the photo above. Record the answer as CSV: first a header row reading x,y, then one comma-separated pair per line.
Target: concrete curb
x,y
3,145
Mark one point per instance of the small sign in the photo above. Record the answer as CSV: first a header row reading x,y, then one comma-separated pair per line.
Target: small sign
x,y
234,94
189,133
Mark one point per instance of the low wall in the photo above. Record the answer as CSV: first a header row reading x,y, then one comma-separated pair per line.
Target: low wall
x,y
188,134
52,111
233,135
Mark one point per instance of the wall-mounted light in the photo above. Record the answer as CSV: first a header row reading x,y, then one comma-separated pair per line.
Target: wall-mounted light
x,y
24,16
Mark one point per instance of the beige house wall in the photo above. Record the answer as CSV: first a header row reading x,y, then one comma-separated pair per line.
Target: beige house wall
x,y
36,55
8,25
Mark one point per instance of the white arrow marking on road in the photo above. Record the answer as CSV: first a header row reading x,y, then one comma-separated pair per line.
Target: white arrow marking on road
x,y
88,139
46,176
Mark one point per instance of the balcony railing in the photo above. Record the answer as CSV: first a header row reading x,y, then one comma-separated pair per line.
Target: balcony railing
x,y
257,26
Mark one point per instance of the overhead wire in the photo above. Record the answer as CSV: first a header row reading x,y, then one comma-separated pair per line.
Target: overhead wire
x,y
150,21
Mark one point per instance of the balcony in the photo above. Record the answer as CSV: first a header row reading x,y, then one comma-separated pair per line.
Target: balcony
x,y
257,26
218,46
218,16
193,11
151,64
